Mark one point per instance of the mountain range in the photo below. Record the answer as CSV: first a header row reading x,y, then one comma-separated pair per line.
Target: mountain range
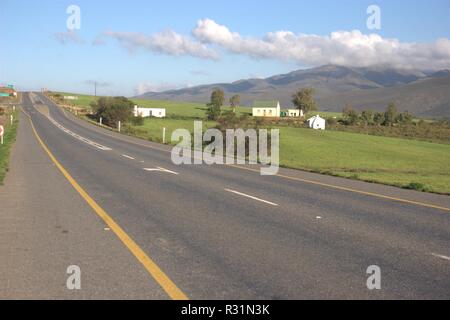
x,y
423,93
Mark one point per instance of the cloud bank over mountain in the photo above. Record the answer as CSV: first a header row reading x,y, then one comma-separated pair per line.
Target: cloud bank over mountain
x,y
210,40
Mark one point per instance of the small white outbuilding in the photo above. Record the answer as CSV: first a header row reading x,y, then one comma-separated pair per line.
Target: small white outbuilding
x,y
149,112
294,113
316,123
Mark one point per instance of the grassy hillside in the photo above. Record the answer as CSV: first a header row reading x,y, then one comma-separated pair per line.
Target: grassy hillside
x,y
391,161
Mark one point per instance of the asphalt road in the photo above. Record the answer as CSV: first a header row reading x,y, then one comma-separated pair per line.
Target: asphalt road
x,y
218,232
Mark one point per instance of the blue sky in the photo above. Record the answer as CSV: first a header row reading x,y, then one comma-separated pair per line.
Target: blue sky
x,y
32,57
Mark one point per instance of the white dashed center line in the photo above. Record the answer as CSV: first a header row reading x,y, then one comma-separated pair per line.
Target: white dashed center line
x,y
251,197
440,256
159,169
128,157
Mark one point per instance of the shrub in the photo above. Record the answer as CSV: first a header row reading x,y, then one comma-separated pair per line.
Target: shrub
x,y
213,112
331,121
137,121
418,187
367,116
351,116
390,116
113,110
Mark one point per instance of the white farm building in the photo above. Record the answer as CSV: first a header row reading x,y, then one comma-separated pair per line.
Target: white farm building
x,y
149,112
316,123
273,110
267,112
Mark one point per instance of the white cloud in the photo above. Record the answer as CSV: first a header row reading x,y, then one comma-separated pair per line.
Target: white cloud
x,y
348,48
68,36
166,42
145,87
351,48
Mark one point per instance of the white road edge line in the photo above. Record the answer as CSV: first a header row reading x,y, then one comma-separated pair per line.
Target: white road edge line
x,y
128,157
251,197
78,137
440,256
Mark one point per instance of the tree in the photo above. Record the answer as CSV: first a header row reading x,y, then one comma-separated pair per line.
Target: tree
x,y
350,115
390,115
367,117
404,117
378,118
235,101
215,105
304,100
113,110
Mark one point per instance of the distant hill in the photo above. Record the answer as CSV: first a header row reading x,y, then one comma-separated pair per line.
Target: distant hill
x,y
422,93
429,97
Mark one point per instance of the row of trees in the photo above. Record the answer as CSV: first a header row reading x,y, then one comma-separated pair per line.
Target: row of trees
x,y
303,99
217,101
367,117
115,109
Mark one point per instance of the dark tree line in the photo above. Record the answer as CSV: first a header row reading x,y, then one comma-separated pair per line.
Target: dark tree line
x,y
367,117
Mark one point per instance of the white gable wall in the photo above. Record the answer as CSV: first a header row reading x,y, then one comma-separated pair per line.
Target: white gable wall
x,y
317,123
149,112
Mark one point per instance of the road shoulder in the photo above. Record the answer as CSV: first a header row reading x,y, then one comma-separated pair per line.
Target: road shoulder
x,y
40,237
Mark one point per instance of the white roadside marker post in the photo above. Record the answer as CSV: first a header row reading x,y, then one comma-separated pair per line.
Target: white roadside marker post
x,y
164,135
2,130
12,118
118,127
101,121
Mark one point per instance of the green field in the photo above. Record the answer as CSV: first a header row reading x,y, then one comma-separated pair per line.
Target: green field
x,y
179,109
386,160
82,102
418,164
173,108
8,140
153,128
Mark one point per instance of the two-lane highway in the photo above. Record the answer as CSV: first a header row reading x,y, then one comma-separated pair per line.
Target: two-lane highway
x,y
225,232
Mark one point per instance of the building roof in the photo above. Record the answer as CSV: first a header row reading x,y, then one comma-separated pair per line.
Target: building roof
x,y
265,104
7,90
316,118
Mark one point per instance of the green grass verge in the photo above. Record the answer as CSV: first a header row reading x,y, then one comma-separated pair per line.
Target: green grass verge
x,y
8,140
153,128
411,164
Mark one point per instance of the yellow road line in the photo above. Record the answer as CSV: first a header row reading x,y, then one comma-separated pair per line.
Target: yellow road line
x,y
161,278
